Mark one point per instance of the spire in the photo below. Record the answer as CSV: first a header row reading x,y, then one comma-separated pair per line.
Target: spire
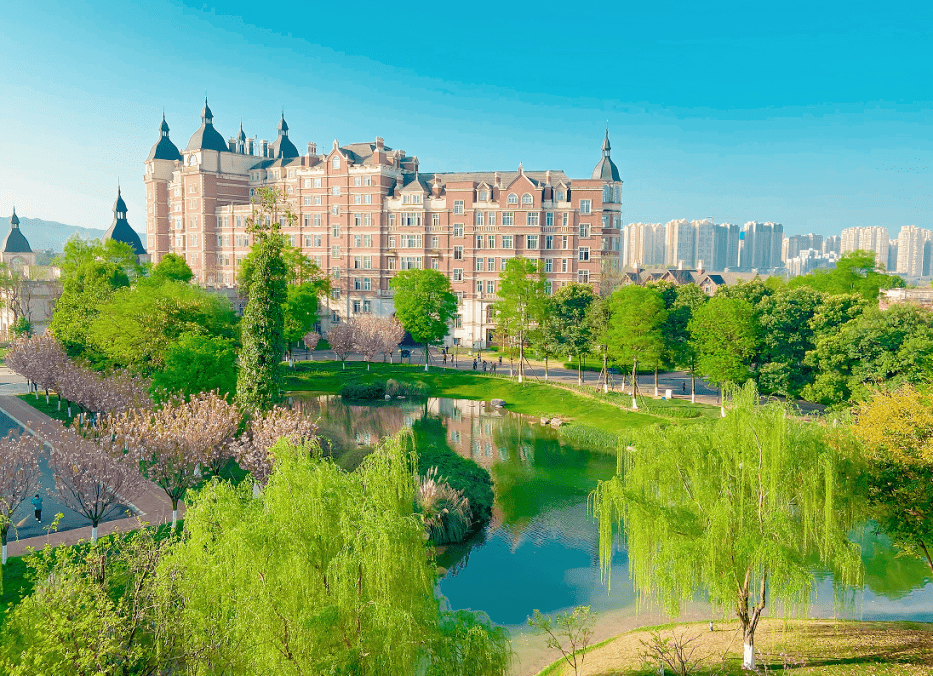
x,y
164,149
206,115
119,207
163,128
283,125
606,170
606,146
242,135
14,219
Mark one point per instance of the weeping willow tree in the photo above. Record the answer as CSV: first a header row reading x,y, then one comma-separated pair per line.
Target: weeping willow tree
x,y
736,508
326,572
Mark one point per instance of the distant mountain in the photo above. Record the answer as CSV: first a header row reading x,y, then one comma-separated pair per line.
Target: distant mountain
x,y
44,235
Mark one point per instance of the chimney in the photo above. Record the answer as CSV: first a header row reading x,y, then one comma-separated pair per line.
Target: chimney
x,y
249,146
436,188
264,148
231,143
680,265
380,143
496,179
700,268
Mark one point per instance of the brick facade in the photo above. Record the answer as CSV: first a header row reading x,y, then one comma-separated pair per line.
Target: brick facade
x,y
365,211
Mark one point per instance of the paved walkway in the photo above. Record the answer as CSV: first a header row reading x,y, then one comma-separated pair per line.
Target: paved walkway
x,y
152,506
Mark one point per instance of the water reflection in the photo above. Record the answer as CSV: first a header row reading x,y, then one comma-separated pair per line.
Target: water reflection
x,y
540,548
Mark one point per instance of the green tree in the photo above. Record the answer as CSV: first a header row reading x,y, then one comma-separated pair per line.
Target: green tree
x,y
598,318
874,349
259,380
724,334
197,363
688,298
545,337
424,304
637,318
90,272
856,272
786,334
262,591
521,305
732,508
571,304
301,306
569,632
172,267
136,326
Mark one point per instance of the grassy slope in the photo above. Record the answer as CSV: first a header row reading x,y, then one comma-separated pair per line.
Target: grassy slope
x,y
801,647
532,398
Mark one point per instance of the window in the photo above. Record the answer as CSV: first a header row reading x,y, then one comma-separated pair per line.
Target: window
x,y
480,220
458,274
548,264
335,190
308,240
317,219
506,241
357,240
335,210
583,253
584,230
357,262
561,196
532,242
335,251
411,263
356,306
548,288
367,240
335,163
491,220
435,219
549,241
527,199
335,231
564,242
606,221
391,241
435,242
357,199
357,285
367,219
458,324
583,276
480,264
412,241
317,183
220,240
367,262
479,286
357,180
491,264
435,263
367,306
391,263
585,206
367,283
490,241
290,190
458,253
459,294
490,287
532,218
479,241
391,219
563,265
458,206
508,218
306,183
549,218
317,200
458,229
367,180
565,218
483,196
513,198
307,220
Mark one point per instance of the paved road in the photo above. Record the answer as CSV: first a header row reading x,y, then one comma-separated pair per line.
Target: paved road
x,y
677,381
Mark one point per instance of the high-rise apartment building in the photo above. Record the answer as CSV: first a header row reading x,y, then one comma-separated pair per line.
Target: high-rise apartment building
x,y
914,251
760,246
793,245
873,238
365,211
832,244
705,243
643,245
680,241
891,264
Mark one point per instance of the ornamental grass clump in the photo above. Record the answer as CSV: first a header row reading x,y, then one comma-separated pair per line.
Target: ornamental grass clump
x,y
446,512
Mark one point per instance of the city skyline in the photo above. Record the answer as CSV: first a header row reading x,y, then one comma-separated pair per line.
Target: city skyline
x,y
819,124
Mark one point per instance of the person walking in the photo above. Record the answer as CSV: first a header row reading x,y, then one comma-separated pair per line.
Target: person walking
x,y
484,366
37,505
683,388
474,363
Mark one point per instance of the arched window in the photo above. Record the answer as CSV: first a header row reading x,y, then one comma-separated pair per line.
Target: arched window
x,y
526,199
335,163
513,198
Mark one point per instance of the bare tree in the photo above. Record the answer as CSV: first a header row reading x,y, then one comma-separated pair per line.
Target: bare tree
x,y
251,450
369,337
19,477
311,340
92,473
176,441
343,338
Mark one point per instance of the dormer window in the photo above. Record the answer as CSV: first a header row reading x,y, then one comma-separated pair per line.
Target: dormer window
x,y
192,160
483,196
526,199
561,196
335,163
513,198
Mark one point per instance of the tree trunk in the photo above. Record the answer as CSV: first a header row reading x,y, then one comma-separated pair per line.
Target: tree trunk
x,y
579,370
3,556
521,359
927,554
635,384
545,368
749,657
605,374
93,533
3,534
693,385
655,380
425,357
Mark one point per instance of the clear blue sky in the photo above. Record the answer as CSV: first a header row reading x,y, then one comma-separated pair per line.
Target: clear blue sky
x,y
814,114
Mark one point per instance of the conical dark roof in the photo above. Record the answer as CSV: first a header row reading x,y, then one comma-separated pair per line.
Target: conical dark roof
x,y
606,170
164,149
121,230
15,241
283,146
206,137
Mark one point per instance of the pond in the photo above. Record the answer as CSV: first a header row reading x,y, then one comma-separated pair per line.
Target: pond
x,y
540,549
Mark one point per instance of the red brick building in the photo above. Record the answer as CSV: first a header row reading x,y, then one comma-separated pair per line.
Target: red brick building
x,y
366,211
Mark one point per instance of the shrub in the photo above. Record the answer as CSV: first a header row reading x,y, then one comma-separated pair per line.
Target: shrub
x,y
590,437
447,514
402,388
361,391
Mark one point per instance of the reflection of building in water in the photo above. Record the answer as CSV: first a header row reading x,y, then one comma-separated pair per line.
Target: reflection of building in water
x,y
474,430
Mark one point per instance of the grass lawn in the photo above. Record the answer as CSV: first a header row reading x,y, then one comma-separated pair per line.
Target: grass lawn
x,y
531,398
50,409
800,647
